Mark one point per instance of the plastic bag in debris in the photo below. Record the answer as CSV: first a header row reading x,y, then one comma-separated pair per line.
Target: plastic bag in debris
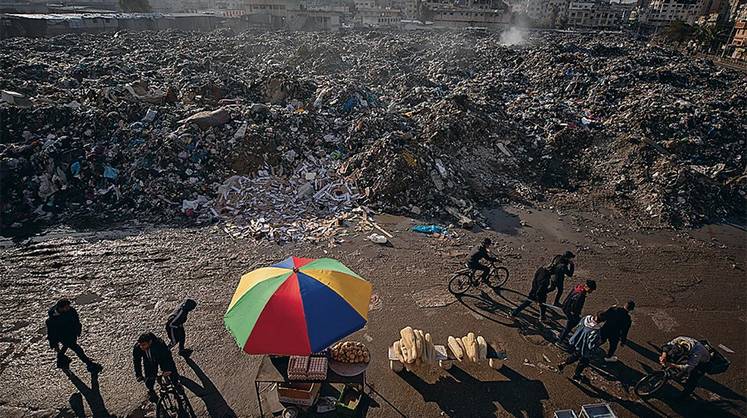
x,y
429,229
377,239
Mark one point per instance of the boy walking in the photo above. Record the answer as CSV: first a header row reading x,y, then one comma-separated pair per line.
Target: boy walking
x,y
175,326
574,305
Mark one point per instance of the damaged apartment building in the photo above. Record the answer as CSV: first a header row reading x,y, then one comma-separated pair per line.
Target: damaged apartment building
x,y
579,14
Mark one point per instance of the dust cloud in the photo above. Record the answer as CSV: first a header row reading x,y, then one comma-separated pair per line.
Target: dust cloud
x,y
513,36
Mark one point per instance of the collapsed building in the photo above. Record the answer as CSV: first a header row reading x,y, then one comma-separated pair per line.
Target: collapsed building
x,y
259,131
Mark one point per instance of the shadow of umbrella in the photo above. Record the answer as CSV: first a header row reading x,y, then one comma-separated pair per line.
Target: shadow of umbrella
x,y
215,403
92,396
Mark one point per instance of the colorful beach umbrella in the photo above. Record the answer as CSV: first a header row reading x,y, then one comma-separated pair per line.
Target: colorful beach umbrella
x,y
297,307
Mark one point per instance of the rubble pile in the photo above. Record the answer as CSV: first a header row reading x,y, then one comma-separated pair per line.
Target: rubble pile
x,y
281,136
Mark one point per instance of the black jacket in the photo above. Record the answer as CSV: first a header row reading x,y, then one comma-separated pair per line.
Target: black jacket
x,y
540,285
160,357
616,323
560,268
573,304
179,316
478,254
63,327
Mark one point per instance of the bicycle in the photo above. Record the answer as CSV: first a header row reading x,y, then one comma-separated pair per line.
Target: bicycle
x,y
656,380
467,278
172,401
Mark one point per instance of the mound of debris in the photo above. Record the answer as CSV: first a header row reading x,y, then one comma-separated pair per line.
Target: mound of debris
x,y
281,136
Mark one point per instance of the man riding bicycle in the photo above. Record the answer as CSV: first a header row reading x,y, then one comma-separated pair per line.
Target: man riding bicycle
x,y
482,252
151,353
690,357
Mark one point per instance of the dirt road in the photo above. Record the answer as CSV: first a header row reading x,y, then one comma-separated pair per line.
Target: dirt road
x,y
126,281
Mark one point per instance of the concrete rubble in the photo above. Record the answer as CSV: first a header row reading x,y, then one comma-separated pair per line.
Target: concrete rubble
x,y
278,136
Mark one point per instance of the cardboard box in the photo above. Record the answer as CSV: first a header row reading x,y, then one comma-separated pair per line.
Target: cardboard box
x,y
304,394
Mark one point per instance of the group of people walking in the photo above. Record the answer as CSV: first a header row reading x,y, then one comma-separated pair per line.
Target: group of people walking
x,y
582,335
149,354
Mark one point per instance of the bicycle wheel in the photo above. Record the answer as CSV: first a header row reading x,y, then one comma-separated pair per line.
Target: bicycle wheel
x,y
459,283
185,408
166,407
498,277
650,384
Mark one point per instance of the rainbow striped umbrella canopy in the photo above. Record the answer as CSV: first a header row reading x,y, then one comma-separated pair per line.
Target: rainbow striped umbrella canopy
x,y
297,307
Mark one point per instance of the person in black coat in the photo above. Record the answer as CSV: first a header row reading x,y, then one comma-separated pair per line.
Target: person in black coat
x,y
63,330
175,326
561,266
616,327
149,355
574,305
480,253
538,293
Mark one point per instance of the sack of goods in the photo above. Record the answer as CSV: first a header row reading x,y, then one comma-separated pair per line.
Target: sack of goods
x,y
415,346
470,347
350,352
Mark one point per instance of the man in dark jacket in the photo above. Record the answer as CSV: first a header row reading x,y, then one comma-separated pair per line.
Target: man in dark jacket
x,y
561,266
616,326
481,253
150,354
538,293
175,326
574,305
63,330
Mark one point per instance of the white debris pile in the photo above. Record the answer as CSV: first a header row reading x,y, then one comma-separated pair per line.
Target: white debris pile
x,y
309,205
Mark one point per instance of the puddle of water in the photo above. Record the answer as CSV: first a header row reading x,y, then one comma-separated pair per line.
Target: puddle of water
x,y
502,222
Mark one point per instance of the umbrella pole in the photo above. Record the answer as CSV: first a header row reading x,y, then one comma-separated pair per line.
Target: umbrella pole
x,y
259,400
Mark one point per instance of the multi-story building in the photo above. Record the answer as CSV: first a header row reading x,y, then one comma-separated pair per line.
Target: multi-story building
x,y
664,12
597,14
489,14
738,42
374,17
548,13
21,6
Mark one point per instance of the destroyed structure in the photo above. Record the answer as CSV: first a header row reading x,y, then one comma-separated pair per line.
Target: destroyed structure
x,y
281,136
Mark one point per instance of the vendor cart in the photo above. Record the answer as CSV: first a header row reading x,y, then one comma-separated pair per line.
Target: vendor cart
x,y
274,370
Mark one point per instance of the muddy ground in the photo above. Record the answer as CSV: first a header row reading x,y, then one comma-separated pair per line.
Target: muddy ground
x,y
126,281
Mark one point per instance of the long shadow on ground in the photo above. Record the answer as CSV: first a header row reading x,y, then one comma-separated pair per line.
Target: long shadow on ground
x,y
215,403
519,396
497,306
92,396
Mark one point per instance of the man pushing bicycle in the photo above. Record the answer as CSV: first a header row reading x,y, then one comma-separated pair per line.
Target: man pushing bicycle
x,y
690,357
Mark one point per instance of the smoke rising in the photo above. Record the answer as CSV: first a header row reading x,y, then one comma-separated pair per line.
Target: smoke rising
x,y
513,36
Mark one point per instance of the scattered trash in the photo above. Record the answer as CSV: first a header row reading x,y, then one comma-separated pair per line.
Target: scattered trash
x,y
110,173
429,229
15,98
377,239
725,348
436,125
